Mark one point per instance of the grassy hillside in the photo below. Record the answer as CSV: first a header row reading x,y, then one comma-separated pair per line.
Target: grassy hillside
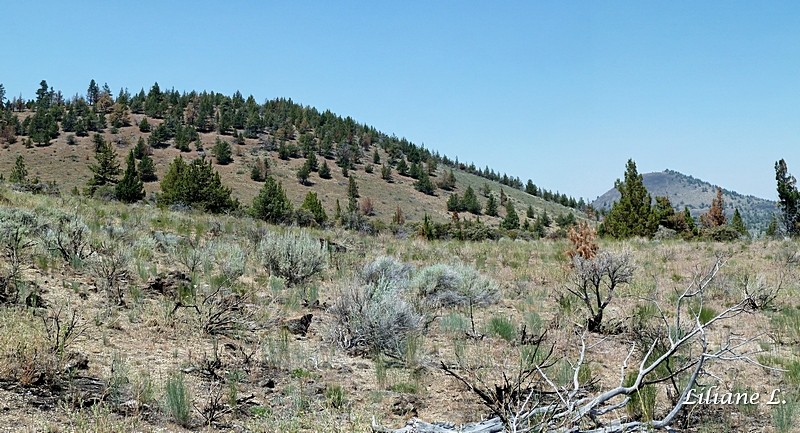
x,y
68,166
683,190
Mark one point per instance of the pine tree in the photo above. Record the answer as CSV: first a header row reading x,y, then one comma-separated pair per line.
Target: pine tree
x,y
106,170
312,204
470,202
303,172
130,189
454,203
448,181
196,184
424,184
715,217
144,125
737,223
311,161
271,204
402,167
376,158
324,170
147,170
386,173
691,227
222,152
511,220
352,195
631,214
257,173
140,149
491,206
788,199
338,211
20,173
530,213
546,221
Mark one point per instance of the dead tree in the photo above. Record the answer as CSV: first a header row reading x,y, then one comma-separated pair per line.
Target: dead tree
x,y
574,408
594,281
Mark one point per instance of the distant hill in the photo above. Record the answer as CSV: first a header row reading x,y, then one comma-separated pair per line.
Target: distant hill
x,y
683,190
278,131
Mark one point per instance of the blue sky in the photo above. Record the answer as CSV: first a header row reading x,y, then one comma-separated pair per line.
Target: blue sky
x,y
560,92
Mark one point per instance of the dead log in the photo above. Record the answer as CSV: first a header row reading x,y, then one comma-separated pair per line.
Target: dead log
x,y
414,425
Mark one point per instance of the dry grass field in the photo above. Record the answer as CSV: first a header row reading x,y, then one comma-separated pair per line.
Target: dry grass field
x,y
133,318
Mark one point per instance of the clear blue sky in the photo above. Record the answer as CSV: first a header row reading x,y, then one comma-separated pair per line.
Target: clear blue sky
x,y
560,92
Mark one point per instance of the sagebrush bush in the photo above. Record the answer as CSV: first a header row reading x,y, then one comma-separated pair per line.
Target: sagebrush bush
x,y
231,259
387,269
375,318
450,285
295,257
68,236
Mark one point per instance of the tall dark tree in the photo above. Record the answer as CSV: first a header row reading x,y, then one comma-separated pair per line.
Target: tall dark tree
x,y
491,206
222,152
325,170
271,204
303,172
93,93
196,184
20,173
511,220
312,204
737,223
424,184
788,199
470,202
631,214
147,170
106,170
130,189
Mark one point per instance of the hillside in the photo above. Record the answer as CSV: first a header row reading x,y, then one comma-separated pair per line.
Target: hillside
x,y
254,132
683,190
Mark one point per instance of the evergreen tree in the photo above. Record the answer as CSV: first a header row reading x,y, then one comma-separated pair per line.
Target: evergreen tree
x,y
511,220
271,204
691,227
144,125
663,213
470,202
386,173
338,211
631,214
546,221
737,223
147,170
196,184
352,195
257,173
415,171
539,227
454,203
772,228
130,189
324,170
20,173
491,206
376,158
93,93
312,204
448,181
106,170
424,184
222,152
303,172
788,199
140,150
530,213
402,167
311,161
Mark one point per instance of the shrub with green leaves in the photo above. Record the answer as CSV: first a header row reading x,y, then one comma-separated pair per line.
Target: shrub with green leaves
x,y
389,270
295,257
178,400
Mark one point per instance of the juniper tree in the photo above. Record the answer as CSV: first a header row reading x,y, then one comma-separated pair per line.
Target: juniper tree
x,y
530,213
324,170
631,215
715,217
303,172
352,195
386,173
20,173
271,204
491,206
140,149
222,152
147,170
312,204
737,223
511,220
788,199
130,189
106,170
424,184
196,184
470,202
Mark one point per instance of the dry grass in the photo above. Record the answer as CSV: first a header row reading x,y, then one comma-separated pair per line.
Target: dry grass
x,y
288,376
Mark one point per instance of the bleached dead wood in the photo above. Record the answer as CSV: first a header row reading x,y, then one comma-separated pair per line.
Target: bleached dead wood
x,y
547,407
